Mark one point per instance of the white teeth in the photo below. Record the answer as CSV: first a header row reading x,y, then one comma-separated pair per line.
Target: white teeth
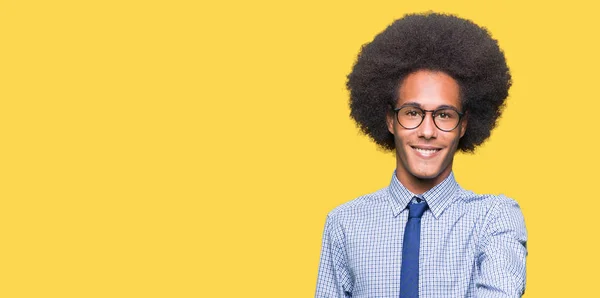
x,y
426,151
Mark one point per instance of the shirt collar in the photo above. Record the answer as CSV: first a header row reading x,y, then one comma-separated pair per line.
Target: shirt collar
x,y
438,198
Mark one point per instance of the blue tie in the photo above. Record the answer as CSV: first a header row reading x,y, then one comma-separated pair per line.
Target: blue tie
x,y
409,272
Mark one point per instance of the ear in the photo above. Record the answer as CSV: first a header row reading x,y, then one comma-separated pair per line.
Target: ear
x,y
463,124
389,119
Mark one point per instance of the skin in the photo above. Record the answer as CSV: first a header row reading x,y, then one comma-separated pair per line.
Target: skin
x,y
429,90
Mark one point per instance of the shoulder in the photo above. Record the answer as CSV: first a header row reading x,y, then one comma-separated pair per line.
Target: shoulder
x,y
488,203
495,211
363,204
486,199
355,216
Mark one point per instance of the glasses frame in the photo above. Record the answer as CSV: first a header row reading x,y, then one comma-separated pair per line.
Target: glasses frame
x,y
460,116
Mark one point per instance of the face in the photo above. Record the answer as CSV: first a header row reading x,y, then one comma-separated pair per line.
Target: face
x,y
424,155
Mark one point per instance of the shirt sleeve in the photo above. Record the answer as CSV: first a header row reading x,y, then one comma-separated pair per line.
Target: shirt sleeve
x,y
334,277
503,250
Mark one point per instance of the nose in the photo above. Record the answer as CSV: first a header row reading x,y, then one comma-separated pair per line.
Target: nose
x,y
427,129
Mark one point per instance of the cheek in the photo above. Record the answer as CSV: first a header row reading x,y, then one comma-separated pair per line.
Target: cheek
x,y
401,134
454,139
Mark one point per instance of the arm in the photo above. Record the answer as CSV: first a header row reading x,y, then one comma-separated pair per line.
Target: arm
x,y
334,278
503,248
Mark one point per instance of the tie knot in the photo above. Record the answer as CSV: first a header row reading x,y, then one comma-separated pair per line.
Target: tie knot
x,y
416,210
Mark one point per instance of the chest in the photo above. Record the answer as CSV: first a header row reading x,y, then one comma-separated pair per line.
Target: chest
x,y
447,258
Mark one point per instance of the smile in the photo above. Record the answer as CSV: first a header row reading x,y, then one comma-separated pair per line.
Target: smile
x,y
426,152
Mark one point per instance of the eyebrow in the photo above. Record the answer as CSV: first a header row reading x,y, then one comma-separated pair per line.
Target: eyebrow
x,y
415,104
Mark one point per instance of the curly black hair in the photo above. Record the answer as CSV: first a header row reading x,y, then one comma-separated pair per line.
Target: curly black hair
x,y
431,41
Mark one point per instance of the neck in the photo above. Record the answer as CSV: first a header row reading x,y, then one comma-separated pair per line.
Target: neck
x,y
418,185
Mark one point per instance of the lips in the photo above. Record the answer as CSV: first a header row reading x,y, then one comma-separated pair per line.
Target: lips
x,y
426,151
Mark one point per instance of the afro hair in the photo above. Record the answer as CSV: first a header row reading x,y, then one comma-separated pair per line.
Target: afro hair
x,y
431,41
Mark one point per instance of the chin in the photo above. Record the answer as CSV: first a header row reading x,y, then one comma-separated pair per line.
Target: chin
x,y
428,172
427,175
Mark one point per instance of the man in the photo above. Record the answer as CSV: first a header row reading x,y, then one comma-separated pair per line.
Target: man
x,y
427,86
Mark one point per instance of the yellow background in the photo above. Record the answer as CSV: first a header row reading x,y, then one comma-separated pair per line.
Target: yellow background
x,y
190,149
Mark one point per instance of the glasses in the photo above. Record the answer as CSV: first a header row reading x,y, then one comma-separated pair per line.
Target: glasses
x,y
445,119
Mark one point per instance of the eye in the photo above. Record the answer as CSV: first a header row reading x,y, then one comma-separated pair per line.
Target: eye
x,y
446,114
411,112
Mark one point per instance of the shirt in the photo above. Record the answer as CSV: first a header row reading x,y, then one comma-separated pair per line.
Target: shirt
x,y
471,245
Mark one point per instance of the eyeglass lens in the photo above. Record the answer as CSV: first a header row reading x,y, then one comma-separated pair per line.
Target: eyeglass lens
x,y
444,119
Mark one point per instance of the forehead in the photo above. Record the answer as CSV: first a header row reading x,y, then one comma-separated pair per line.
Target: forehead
x,y
429,90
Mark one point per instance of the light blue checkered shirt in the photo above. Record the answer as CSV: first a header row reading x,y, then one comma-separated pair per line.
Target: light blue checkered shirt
x,y
471,245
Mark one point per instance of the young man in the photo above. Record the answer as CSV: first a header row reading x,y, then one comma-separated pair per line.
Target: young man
x,y
427,86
